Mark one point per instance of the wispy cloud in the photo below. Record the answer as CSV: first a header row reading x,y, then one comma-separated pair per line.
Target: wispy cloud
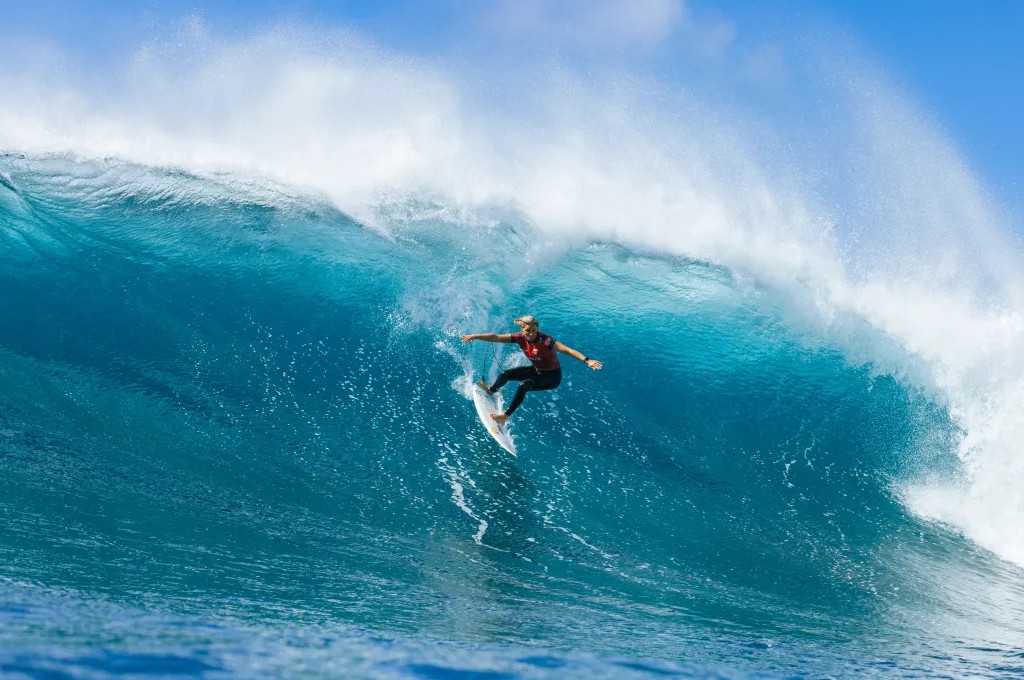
x,y
766,66
590,22
596,25
711,36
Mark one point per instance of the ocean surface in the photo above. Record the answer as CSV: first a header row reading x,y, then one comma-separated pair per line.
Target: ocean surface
x,y
236,440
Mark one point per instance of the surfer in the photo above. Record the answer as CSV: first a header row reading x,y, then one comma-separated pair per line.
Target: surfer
x,y
545,373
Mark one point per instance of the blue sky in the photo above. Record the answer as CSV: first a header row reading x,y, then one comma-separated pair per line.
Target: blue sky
x,y
962,61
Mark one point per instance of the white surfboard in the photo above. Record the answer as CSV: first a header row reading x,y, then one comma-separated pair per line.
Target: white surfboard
x,y
485,406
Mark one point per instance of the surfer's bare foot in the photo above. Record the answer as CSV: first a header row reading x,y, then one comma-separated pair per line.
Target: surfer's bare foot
x,y
482,384
499,418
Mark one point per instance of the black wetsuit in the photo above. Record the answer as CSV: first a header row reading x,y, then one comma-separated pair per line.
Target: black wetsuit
x,y
544,374
532,381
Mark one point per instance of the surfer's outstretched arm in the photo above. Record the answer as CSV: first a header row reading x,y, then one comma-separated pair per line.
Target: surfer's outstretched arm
x,y
488,337
564,349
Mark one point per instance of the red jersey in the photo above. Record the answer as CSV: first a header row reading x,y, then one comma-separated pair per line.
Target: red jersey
x,y
541,351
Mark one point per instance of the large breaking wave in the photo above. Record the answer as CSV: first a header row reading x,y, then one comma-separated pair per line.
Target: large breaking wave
x,y
232,386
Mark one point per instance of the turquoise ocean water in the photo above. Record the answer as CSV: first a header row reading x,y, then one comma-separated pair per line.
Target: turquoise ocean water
x,y
236,441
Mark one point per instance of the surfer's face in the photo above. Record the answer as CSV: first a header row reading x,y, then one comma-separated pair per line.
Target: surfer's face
x,y
529,330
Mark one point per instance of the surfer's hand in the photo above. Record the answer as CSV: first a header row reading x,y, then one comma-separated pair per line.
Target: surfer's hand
x,y
467,338
594,364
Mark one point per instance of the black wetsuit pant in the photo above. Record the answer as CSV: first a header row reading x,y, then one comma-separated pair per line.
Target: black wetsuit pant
x,y
532,381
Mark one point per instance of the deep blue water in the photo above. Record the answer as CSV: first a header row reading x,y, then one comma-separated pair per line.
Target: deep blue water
x,y
235,440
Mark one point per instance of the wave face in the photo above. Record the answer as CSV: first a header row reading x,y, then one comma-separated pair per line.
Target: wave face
x,y
235,423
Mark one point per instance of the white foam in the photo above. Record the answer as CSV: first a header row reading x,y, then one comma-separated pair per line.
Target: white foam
x,y
889,227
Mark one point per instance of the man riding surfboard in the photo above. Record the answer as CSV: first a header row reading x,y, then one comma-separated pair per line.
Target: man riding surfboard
x,y
544,373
